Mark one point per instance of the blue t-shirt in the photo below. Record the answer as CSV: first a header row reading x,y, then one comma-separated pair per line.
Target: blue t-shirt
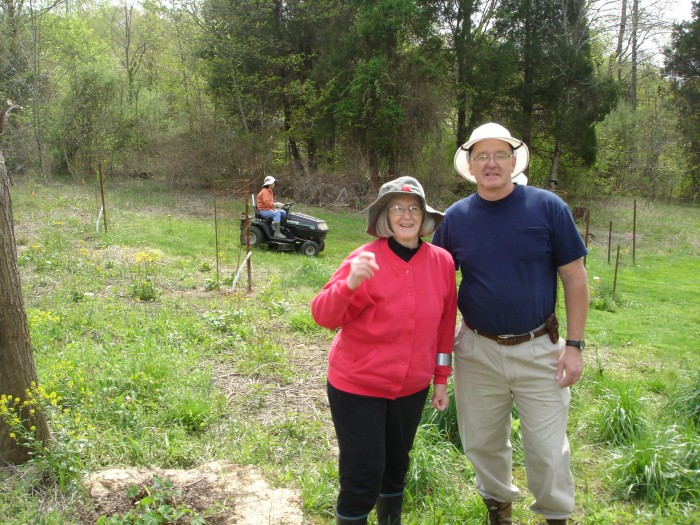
x,y
509,251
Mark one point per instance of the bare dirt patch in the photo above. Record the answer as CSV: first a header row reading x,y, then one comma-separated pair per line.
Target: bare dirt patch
x,y
237,494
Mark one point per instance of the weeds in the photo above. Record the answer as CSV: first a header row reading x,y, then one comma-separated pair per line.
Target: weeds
x,y
160,502
620,420
143,283
685,401
61,459
602,297
659,468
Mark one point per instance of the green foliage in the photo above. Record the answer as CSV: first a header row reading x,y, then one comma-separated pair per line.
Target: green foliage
x,y
61,460
602,298
620,420
311,272
158,503
303,322
681,63
143,284
660,468
445,421
685,401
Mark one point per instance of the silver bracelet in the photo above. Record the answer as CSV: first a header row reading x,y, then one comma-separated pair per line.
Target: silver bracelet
x,y
443,359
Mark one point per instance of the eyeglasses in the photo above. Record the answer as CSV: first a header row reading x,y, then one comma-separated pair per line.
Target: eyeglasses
x,y
499,156
397,210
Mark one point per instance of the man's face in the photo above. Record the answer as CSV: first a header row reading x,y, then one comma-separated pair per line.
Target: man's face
x,y
491,162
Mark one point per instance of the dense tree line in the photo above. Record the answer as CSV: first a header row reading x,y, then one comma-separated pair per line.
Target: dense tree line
x,y
356,90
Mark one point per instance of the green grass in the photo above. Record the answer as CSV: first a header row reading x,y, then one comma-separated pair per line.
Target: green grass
x,y
156,360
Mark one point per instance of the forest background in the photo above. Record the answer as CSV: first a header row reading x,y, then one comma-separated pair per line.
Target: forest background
x,y
327,95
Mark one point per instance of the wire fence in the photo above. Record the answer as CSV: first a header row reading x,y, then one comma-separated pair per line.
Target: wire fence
x,y
232,207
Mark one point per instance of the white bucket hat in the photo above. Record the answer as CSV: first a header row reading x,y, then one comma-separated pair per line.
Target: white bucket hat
x,y
398,188
491,131
269,180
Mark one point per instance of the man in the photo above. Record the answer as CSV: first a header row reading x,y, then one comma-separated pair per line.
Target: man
x,y
268,208
511,241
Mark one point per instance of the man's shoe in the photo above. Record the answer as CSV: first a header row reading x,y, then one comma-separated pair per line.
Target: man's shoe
x,y
500,512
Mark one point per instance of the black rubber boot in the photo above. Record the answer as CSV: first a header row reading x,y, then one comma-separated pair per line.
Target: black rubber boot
x,y
556,522
389,510
500,512
346,521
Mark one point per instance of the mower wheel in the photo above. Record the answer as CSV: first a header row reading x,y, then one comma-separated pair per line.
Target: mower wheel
x,y
310,248
256,236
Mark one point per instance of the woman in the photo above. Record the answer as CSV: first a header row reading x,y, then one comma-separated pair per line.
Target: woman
x,y
395,300
268,208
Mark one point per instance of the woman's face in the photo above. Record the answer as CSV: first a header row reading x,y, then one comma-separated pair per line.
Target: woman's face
x,y
405,218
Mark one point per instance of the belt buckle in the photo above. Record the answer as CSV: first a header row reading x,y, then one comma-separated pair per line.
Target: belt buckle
x,y
503,339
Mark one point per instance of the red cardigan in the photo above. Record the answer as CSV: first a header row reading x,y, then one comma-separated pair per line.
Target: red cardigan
x,y
392,325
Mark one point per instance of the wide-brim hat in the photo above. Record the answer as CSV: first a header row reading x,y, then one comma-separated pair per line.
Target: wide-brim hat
x,y
491,131
400,188
269,180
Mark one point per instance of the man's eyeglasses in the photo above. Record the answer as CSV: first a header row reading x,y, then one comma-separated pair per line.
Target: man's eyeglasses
x,y
499,156
398,210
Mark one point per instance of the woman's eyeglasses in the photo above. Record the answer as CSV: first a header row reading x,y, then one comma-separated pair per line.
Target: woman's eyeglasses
x,y
398,210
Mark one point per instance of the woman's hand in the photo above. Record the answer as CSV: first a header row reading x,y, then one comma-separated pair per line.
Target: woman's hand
x,y
362,267
441,398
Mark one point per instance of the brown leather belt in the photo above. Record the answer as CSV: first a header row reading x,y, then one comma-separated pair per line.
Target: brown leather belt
x,y
511,340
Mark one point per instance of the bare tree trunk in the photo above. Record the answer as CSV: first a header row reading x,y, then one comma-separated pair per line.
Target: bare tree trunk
x,y
17,370
633,76
616,59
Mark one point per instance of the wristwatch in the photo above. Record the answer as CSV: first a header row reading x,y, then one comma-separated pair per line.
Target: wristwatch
x,y
580,344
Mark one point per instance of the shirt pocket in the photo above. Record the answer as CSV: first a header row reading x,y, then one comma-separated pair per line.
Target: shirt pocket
x,y
533,244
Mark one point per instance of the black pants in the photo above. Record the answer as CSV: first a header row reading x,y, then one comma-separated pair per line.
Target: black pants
x,y
375,436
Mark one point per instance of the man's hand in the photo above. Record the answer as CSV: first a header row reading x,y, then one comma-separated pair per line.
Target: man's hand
x,y
440,399
570,367
362,267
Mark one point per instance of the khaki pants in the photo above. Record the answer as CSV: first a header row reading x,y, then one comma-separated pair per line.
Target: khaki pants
x,y
488,379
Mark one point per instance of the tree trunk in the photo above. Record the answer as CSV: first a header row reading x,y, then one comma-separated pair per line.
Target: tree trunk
x,y
633,74
616,59
554,168
528,87
17,370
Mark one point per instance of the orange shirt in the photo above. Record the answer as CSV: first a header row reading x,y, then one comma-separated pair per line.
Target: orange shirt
x,y
266,200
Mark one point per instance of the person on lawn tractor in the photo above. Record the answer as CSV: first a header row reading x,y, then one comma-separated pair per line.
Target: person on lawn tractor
x,y
268,208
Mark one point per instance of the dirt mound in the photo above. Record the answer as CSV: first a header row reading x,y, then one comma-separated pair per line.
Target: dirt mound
x,y
241,494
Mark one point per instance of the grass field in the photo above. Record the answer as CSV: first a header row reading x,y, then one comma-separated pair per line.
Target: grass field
x,y
153,359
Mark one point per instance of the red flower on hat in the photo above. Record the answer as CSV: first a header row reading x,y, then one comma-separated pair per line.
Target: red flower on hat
x,y
406,188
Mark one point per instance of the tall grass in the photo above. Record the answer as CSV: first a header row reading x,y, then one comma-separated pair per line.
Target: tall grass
x,y
659,469
621,419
